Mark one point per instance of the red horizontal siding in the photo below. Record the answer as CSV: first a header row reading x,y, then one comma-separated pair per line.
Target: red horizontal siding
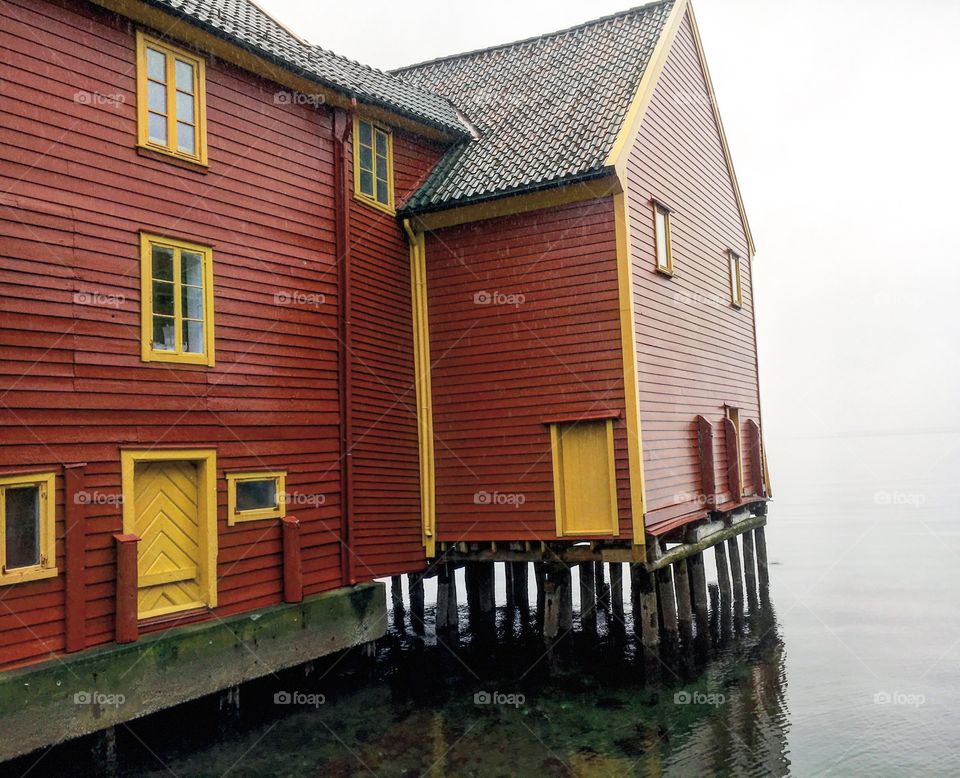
x,y
500,370
696,353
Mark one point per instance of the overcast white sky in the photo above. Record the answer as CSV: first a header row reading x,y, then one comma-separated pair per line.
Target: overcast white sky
x,y
842,117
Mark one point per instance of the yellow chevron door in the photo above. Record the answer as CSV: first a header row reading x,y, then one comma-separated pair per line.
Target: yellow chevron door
x,y
167,519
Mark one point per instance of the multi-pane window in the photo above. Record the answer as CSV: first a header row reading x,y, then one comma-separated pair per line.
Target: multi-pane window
x,y
27,516
170,100
736,280
252,496
373,164
661,230
177,301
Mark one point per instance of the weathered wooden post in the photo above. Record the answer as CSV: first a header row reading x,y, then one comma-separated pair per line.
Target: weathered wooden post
x,y
565,585
681,579
588,593
736,571
396,593
760,537
616,589
508,587
521,585
668,601
487,598
749,567
698,587
600,582
444,578
723,571
415,585
292,562
127,627
646,620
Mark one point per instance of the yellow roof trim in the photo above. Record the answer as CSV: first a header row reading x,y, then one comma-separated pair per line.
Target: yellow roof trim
x,y
630,128
593,189
182,31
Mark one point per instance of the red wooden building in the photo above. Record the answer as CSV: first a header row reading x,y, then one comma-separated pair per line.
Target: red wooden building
x,y
275,323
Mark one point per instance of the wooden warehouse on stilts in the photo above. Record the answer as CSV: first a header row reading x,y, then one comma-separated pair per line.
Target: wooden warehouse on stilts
x,y
276,325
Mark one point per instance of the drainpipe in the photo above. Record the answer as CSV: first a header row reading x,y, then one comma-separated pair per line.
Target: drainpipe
x,y
342,126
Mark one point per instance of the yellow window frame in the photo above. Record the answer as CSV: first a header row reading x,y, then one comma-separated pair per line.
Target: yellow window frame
x,y
47,568
147,351
173,54
557,432
235,516
662,237
371,198
736,280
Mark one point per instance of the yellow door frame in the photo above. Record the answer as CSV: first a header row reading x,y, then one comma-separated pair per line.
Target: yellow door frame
x,y
206,461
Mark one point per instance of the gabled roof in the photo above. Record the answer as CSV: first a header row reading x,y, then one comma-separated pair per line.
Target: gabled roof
x,y
244,24
547,109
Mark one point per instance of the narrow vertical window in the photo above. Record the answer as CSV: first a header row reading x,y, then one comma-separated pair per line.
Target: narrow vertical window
x,y
171,102
373,164
736,281
177,301
661,229
27,516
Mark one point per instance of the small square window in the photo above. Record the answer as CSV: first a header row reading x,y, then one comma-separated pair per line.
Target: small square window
x,y
255,496
27,528
662,239
373,165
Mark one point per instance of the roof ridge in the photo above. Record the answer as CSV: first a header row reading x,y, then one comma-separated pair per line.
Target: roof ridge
x,y
531,39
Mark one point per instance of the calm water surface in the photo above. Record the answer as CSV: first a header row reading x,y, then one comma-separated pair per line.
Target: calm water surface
x,y
852,668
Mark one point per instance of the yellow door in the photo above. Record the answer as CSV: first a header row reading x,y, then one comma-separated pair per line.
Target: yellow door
x,y
585,487
167,519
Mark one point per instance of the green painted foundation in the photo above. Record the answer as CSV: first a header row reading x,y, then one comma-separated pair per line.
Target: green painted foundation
x,y
78,694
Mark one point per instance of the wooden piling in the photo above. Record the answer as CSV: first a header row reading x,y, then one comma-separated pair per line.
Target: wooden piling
x,y
760,538
588,594
443,599
646,620
698,587
723,572
749,566
600,582
396,593
736,571
453,614
415,585
508,586
486,582
616,589
668,600
521,586
552,585
565,596
681,579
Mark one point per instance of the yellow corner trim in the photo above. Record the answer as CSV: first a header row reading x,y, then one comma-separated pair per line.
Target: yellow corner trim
x,y
235,516
631,385
206,460
424,391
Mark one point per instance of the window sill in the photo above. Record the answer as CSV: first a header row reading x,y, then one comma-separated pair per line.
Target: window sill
x,y
29,574
665,273
173,159
175,359
243,519
375,204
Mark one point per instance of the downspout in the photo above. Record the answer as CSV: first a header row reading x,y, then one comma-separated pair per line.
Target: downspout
x,y
342,125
